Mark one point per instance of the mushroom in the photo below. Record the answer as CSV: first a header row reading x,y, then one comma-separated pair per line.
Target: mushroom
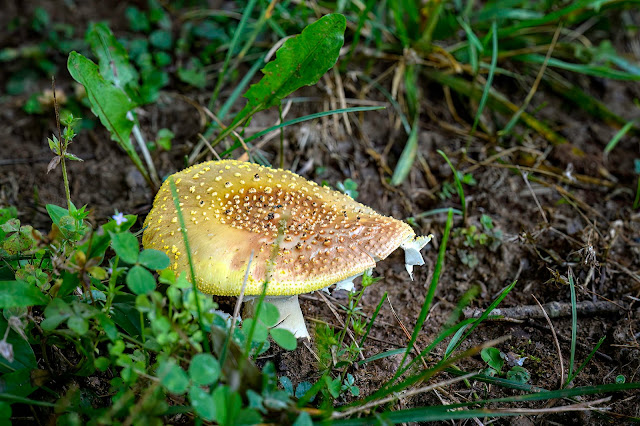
x,y
304,237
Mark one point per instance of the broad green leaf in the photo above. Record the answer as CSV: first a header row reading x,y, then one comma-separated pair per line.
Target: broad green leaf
x,y
126,246
102,363
112,56
108,326
518,374
492,357
70,281
7,213
55,313
78,324
303,387
140,280
109,103
12,225
138,20
161,39
269,314
202,403
304,419
163,139
204,369
17,383
23,356
152,81
19,293
5,411
247,417
284,338
173,377
260,332
126,316
333,386
301,61
154,259
194,74
286,384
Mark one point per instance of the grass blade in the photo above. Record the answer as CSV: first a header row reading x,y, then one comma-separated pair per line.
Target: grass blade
x,y
407,157
456,178
311,117
224,110
452,411
498,381
583,100
296,121
601,71
487,86
373,318
432,11
482,317
430,294
362,19
434,212
586,361
392,101
619,135
185,238
441,337
574,326
232,47
496,101
474,46
382,355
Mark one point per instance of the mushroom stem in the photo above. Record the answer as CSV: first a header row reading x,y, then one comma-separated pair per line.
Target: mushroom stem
x,y
290,314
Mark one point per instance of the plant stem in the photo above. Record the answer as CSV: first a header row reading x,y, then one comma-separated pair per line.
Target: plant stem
x,y
192,274
62,145
137,134
281,138
65,179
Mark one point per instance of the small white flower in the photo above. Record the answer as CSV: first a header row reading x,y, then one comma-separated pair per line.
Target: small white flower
x,y
119,218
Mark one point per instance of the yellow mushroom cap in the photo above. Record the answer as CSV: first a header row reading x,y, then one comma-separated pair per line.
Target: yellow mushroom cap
x,y
304,236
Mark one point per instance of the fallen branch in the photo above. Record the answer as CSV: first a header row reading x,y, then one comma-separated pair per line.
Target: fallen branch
x,y
553,309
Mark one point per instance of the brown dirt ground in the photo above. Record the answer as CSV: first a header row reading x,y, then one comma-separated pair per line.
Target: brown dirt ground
x,y
598,219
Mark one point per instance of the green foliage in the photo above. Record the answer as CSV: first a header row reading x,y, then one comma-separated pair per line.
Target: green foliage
x,y
193,74
109,312
109,103
407,157
472,237
164,138
335,354
301,61
349,187
496,360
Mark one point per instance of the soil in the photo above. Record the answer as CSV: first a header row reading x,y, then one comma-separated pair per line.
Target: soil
x,y
550,227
